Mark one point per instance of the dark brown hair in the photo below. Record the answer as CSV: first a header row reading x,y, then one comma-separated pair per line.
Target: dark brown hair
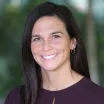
x,y
32,72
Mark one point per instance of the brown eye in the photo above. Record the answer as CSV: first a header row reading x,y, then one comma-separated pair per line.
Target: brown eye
x,y
55,36
36,39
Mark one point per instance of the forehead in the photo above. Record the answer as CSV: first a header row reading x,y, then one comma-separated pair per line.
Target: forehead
x,y
48,18
48,23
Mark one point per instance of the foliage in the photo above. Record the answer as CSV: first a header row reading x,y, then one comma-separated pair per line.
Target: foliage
x,y
11,32
10,40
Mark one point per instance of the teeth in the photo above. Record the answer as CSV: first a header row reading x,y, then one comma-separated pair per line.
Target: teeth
x,y
49,57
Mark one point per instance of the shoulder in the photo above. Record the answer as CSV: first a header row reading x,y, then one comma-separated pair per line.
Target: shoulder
x,y
93,91
90,85
14,96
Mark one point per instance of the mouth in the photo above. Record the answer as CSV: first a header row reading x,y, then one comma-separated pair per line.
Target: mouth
x,y
48,57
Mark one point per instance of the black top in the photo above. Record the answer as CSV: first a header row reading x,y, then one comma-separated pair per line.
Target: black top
x,y
83,92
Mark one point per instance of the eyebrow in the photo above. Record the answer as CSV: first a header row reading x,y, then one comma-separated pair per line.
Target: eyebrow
x,y
56,32
50,33
35,36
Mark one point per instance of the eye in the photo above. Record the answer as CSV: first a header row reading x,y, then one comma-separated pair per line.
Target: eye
x,y
36,39
56,36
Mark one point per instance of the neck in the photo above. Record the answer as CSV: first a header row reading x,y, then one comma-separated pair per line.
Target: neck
x,y
59,79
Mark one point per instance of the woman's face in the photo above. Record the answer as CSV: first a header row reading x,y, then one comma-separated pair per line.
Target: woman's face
x,y
50,43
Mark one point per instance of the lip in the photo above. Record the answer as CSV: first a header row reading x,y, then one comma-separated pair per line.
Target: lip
x,y
49,57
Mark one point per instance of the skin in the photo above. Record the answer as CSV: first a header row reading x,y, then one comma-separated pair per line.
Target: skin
x,y
50,46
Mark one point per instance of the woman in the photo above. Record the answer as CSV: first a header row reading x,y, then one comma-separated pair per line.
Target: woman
x,y
54,61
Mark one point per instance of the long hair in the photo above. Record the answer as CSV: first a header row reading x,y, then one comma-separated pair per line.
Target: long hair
x,y
32,72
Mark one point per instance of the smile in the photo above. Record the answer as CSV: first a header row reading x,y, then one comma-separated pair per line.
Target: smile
x,y
49,57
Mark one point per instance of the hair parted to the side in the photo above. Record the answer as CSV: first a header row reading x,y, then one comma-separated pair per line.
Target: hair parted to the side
x,y
32,72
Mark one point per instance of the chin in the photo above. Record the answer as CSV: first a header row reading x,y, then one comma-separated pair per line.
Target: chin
x,y
48,68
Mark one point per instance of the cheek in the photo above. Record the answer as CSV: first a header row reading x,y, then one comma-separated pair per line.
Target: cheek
x,y
62,45
35,48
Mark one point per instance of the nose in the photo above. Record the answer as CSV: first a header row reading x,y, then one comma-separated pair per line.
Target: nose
x,y
47,45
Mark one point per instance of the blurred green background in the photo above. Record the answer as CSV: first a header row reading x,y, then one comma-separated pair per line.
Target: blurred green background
x,y
13,13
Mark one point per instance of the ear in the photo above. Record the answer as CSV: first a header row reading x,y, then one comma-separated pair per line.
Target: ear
x,y
73,44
